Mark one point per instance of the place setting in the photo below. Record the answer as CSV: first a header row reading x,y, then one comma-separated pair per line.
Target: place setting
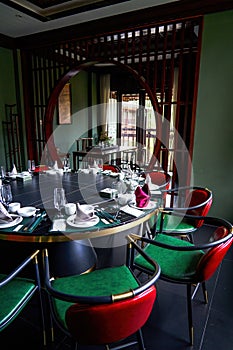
x,y
84,217
23,219
7,219
74,215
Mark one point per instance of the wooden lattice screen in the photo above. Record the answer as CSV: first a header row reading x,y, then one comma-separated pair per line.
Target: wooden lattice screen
x,y
160,53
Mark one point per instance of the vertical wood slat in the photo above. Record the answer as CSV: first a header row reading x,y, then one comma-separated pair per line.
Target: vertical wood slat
x,y
126,51
148,55
140,53
155,65
168,100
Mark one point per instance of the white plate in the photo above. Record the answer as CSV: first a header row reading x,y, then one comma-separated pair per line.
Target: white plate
x,y
16,220
26,212
149,206
82,224
153,187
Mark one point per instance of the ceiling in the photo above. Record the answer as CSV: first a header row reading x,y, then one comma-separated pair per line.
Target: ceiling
x,y
21,17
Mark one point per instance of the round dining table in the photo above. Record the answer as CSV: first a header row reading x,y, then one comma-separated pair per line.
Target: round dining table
x,y
75,248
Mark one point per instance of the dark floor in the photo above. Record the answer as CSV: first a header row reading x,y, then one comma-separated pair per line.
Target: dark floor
x,y
166,328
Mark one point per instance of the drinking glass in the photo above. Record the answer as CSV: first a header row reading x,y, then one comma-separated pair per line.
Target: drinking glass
x,y
59,200
117,185
6,195
3,173
100,163
66,164
31,165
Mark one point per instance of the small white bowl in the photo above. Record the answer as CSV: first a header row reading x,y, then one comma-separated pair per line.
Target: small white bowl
x,y
27,211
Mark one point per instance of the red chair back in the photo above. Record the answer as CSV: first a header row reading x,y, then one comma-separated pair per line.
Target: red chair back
x,y
161,179
214,256
109,323
113,168
197,197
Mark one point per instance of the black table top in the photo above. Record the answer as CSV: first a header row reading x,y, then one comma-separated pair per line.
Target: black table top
x,y
79,187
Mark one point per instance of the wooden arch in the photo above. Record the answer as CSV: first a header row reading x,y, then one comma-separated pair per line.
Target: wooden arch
x,y
52,103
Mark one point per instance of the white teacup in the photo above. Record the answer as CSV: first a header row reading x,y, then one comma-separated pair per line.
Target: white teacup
x,y
14,207
70,208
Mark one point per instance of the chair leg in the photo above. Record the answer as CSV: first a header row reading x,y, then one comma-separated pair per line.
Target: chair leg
x,y
140,340
190,318
40,296
205,293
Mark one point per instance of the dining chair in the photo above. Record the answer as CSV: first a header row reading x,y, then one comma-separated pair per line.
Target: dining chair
x,y
161,181
160,178
194,201
16,291
112,167
105,306
183,262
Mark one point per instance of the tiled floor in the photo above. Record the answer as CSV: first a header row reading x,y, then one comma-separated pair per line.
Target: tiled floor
x,y
166,328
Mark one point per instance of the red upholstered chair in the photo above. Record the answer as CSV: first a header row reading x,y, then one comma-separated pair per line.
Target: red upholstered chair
x,y
109,323
195,201
111,167
183,262
104,306
162,181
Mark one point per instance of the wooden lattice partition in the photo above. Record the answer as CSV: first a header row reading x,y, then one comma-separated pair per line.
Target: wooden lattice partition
x,y
158,54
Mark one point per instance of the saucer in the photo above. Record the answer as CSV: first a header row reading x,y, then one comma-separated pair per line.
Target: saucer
x,y
26,211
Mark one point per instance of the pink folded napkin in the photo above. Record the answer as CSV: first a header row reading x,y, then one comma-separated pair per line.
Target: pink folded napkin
x,y
142,198
146,189
5,217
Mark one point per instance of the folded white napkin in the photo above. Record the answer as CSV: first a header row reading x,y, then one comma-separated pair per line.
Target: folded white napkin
x,y
55,166
13,171
5,217
133,211
81,215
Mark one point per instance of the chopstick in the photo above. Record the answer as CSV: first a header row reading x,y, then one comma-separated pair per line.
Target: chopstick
x,y
104,214
33,224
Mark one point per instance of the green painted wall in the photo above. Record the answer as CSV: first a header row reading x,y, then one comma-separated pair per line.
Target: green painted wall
x,y
213,163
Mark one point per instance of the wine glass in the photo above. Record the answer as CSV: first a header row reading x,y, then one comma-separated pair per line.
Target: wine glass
x,y
119,186
66,164
6,195
59,200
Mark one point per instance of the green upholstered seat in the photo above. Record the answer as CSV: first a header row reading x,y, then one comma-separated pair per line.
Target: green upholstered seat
x,y
175,224
109,293
16,291
196,202
108,281
12,295
186,261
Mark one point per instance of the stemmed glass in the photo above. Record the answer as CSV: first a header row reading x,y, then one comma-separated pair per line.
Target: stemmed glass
x,y
59,200
119,187
6,195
